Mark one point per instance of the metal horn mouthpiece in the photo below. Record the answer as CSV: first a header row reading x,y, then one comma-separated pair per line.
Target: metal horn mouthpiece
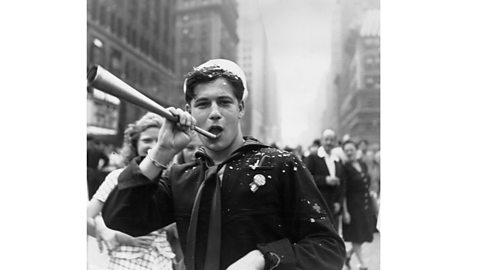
x,y
105,81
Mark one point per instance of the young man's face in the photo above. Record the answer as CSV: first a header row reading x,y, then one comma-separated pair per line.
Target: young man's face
x,y
218,111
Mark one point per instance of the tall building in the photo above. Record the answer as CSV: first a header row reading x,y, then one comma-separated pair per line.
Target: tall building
x,y
360,108
261,117
205,29
135,41
352,97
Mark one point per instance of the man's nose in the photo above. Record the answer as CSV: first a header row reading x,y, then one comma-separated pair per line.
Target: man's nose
x,y
214,113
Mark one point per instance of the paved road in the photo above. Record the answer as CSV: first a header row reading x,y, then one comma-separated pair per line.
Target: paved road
x,y
98,261
95,259
371,254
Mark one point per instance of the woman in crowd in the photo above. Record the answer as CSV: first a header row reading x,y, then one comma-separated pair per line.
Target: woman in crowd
x,y
357,210
152,251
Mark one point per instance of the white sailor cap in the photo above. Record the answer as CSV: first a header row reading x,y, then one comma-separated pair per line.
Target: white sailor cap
x,y
225,65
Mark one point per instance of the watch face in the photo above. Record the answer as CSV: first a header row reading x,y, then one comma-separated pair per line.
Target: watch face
x,y
272,260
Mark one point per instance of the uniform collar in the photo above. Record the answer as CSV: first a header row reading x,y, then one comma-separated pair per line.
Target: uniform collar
x,y
248,144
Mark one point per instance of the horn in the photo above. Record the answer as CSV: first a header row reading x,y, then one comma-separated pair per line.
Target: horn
x,y
101,79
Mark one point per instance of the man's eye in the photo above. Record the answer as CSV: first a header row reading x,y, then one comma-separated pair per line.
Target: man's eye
x,y
225,102
201,104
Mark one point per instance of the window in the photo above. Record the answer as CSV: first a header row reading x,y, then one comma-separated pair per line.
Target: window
x,y
133,10
140,78
103,15
129,34
94,9
156,28
141,44
134,38
133,73
120,27
116,61
147,47
155,53
146,15
113,23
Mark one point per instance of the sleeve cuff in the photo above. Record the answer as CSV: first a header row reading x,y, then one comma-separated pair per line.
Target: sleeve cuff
x,y
278,255
133,177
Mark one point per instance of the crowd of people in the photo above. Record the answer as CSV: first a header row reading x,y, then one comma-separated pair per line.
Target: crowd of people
x,y
173,199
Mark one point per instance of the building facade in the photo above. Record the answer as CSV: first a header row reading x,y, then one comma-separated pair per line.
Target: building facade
x,y
204,29
134,40
353,91
360,107
261,116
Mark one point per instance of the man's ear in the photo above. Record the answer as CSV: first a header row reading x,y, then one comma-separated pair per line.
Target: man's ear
x,y
188,109
241,108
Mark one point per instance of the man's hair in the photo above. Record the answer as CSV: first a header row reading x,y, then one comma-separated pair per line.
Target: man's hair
x,y
205,75
329,131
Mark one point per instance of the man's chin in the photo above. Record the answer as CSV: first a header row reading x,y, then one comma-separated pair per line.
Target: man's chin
x,y
215,145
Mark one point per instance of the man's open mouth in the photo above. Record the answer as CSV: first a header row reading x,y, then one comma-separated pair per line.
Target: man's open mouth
x,y
215,130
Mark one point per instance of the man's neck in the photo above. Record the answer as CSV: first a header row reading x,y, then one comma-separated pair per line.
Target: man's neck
x,y
220,156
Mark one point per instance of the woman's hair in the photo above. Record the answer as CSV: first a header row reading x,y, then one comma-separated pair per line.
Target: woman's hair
x,y
349,141
132,134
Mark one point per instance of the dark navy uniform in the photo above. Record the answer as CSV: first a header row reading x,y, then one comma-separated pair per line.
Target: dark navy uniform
x,y
259,198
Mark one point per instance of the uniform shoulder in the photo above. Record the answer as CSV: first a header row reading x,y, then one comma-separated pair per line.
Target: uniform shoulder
x,y
278,155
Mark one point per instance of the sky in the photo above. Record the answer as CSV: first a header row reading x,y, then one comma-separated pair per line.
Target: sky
x,y
298,35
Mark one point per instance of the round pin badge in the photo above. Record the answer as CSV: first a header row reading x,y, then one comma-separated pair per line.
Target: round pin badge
x,y
259,179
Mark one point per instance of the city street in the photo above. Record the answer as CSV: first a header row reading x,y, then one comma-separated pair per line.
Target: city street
x,y
95,259
371,251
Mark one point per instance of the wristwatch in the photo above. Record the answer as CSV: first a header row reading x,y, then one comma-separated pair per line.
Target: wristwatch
x,y
272,260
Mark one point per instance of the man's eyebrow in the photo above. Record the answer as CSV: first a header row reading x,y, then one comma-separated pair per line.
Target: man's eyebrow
x,y
224,97
217,97
201,99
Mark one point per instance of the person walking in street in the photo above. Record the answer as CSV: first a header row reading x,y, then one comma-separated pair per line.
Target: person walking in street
x,y
148,252
313,148
327,171
358,212
362,149
241,204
